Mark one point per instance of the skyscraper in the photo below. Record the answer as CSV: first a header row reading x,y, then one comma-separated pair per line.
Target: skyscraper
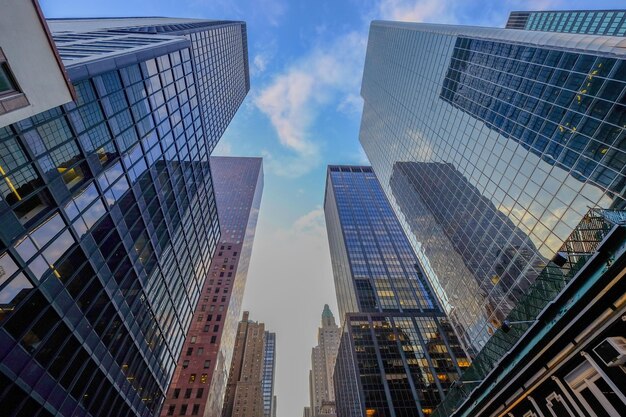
x,y
201,374
323,357
398,353
109,216
593,22
269,370
491,145
245,392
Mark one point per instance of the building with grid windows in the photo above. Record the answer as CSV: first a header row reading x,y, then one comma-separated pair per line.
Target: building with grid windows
x,y
201,374
593,22
269,371
398,354
109,215
491,145
579,296
251,377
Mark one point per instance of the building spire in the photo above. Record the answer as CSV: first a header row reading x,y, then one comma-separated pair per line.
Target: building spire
x,y
327,316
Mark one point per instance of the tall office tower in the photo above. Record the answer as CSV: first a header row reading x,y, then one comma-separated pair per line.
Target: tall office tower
x,y
398,353
269,370
323,357
109,217
201,374
244,392
593,22
491,145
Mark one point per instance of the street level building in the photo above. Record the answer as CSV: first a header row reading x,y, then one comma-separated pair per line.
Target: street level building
x,y
201,375
562,350
398,354
491,145
108,214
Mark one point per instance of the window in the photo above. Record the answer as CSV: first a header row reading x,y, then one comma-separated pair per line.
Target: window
x,y
189,351
200,351
176,392
170,410
207,364
593,391
213,339
193,339
195,410
199,392
192,378
8,85
185,364
188,393
183,409
203,378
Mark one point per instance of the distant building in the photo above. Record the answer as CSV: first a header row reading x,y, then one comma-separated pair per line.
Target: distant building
x,y
491,145
269,371
244,392
323,356
307,412
398,354
109,220
593,22
208,348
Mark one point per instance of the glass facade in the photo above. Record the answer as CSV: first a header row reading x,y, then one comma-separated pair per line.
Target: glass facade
x,y
491,145
594,22
269,370
109,222
208,348
398,353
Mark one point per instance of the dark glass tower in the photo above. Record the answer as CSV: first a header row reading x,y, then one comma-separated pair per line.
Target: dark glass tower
x,y
109,216
491,145
201,374
593,22
398,353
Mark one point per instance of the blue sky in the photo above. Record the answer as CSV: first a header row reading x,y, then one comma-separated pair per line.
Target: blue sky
x,y
302,113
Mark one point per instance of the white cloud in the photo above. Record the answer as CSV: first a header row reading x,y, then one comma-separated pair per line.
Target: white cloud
x,y
259,63
294,98
351,104
417,11
223,148
272,10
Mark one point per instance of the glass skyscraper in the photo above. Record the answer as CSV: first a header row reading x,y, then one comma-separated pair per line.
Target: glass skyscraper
x,y
398,353
109,215
594,22
491,145
201,375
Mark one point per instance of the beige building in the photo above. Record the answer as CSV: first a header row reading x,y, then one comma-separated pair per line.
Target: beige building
x,y
32,77
244,394
323,358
